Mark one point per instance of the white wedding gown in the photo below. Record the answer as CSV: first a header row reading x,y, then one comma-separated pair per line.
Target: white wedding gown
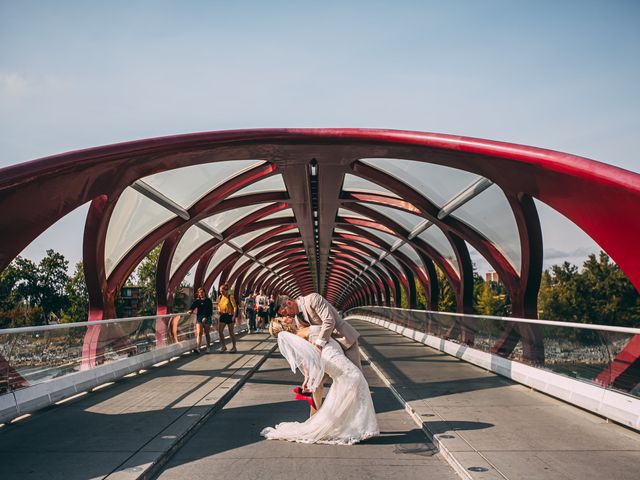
x,y
346,415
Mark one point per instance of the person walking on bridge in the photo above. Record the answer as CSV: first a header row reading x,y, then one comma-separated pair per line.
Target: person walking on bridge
x,y
204,311
227,308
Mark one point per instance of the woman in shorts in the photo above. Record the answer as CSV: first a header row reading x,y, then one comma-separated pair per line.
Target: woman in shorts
x,y
227,308
204,310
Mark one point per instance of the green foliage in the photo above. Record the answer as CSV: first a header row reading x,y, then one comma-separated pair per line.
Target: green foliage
x,y
421,297
30,293
447,301
52,278
478,287
76,291
8,280
404,299
146,274
600,293
490,301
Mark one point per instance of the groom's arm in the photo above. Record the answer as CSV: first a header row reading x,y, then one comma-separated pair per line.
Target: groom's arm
x,y
323,309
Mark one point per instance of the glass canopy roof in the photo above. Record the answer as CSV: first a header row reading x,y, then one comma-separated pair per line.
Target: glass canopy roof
x,y
168,196
490,214
353,183
435,182
274,183
223,220
134,217
405,219
187,185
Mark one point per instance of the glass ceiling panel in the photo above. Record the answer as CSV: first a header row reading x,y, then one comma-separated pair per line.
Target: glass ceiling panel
x,y
386,237
216,283
242,240
287,212
223,220
191,240
411,253
437,239
377,250
271,255
256,251
342,230
406,220
274,183
490,214
187,185
394,262
380,266
221,253
134,216
353,183
438,183
240,262
343,212
252,269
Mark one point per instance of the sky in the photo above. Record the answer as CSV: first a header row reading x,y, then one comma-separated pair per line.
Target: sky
x,y
563,75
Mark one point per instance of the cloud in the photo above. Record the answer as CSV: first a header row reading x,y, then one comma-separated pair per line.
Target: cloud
x,y
553,253
13,85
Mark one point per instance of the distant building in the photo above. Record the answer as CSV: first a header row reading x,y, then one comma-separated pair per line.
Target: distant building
x,y
183,299
131,301
491,276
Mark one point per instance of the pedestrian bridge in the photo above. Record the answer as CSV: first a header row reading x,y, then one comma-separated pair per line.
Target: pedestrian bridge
x,y
372,220
443,413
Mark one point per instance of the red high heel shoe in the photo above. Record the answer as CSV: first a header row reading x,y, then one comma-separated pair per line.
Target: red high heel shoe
x,y
307,396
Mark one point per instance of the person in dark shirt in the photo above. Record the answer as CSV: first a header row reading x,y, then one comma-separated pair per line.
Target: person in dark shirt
x,y
203,307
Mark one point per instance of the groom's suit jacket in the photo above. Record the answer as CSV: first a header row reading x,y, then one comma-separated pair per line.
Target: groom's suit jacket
x,y
316,310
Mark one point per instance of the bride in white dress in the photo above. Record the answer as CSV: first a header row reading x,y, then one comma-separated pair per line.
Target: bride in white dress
x,y
347,415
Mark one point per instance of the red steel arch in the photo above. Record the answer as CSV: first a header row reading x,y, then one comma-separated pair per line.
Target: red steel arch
x,y
599,198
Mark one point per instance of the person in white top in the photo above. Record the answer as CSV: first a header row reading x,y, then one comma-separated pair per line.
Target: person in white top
x,y
262,305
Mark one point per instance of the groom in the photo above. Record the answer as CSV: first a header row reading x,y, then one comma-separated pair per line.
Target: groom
x,y
314,309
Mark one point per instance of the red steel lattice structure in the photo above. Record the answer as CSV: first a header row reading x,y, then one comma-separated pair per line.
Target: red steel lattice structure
x,y
336,215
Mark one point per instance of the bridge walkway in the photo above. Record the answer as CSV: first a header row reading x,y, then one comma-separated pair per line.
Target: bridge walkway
x,y
481,420
229,443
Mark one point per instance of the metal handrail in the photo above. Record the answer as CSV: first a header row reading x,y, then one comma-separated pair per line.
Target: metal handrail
x,y
59,326
584,326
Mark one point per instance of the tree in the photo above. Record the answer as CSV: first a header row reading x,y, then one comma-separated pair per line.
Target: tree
x,y
26,288
478,287
146,273
447,301
601,294
605,294
489,301
421,297
52,279
8,280
78,297
404,299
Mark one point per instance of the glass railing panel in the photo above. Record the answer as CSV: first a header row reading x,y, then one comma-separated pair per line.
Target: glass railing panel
x,y
33,355
596,354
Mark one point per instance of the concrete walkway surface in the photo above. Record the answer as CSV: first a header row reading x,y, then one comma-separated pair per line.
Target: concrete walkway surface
x,y
229,445
483,421
122,430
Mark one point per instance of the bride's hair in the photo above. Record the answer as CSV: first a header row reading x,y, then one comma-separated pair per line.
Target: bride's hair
x,y
278,324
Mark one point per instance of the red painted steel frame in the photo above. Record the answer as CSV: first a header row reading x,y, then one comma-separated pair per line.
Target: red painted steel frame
x,y
600,199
